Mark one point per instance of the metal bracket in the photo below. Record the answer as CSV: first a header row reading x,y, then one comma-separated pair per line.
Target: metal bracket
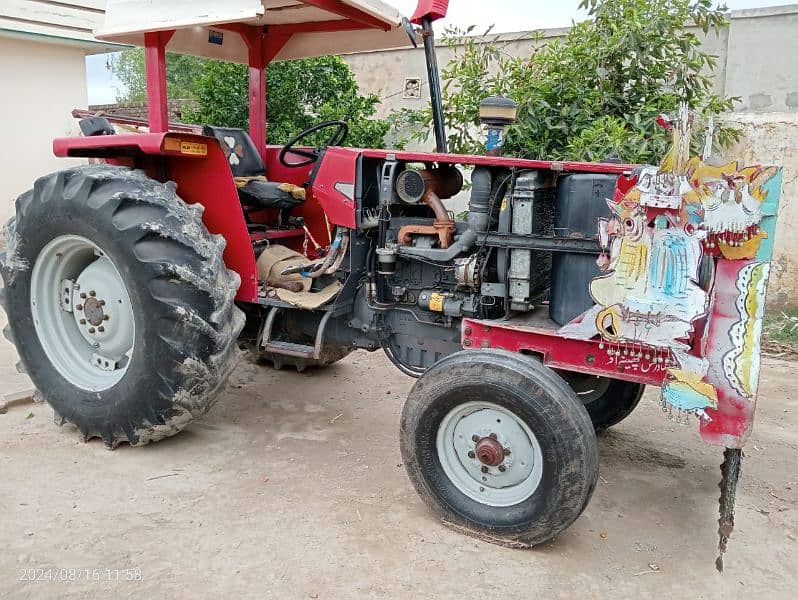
x,y
65,299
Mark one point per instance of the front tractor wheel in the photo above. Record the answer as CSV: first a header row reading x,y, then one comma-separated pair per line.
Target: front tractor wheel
x,y
499,446
118,302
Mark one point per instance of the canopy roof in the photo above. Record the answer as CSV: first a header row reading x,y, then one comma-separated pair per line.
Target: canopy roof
x,y
316,27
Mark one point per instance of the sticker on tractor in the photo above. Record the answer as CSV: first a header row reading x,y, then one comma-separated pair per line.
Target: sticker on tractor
x,y
194,148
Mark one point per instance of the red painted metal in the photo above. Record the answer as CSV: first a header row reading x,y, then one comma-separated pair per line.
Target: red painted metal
x,y
208,182
344,10
316,27
112,145
434,9
311,209
257,92
201,178
495,161
155,62
732,420
337,173
262,47
617,360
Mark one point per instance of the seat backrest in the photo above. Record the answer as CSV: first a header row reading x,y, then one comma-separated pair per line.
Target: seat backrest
x,y
242,156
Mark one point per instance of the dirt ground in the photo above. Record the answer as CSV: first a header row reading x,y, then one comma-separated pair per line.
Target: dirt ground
x,y
292,487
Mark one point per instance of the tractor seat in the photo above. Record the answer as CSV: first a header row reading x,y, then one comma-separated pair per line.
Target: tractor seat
x,y
249,172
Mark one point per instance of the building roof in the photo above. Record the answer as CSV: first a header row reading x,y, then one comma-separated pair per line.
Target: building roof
x,y
64,22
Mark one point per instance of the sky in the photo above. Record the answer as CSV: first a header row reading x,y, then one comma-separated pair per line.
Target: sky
x,y
507,15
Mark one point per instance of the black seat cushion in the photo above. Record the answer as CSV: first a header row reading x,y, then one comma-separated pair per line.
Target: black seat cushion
x,y
241,153
267,194
244,161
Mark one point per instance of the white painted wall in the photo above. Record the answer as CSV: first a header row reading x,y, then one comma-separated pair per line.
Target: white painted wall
x,y
41,83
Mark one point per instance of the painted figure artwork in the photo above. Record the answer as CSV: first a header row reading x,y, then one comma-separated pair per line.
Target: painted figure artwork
x,y
685,271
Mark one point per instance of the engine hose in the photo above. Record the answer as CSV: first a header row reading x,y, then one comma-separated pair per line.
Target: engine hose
x,y
330,263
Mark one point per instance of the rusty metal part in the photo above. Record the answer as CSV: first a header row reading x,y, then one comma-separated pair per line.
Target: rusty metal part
x,y
444,231
489,451
730,475
437,184
93,310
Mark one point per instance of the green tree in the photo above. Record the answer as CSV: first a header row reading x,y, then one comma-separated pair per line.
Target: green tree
x,y
300,93
593,94
128,66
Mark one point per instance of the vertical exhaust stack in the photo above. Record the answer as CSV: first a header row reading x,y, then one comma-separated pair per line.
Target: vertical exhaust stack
x,y
495,114
428,11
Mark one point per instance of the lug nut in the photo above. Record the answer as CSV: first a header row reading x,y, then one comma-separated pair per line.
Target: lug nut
x,y
102,302
475,438
83,321
106,317
484,469
492,436
471,454
101,329
83,295
502,468
92,293
79,306
91,330
507,452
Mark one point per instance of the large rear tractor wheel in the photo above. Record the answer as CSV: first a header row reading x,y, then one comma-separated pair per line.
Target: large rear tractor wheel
x,y
608,401
119,303
499,446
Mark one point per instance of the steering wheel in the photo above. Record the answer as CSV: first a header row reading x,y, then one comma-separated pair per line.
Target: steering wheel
x,y
311,156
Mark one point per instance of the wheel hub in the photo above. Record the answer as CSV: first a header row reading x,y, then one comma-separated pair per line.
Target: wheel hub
x,y
82,312
489,451
93,310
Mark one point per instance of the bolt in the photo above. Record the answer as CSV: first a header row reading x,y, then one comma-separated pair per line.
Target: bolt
x,y
101,329
102,302
471,454
467,331
466,342
106,317
475,438
91,329
484,469
485,344
79,306
502,468
92,293
507,452
83,295
83,321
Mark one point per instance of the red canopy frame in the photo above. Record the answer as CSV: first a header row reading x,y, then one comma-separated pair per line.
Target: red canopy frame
x,y
263,44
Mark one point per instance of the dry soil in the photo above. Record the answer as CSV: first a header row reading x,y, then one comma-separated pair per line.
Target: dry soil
x,y
292,487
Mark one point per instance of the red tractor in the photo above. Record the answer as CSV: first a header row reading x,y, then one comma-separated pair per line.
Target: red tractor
x,y
131,283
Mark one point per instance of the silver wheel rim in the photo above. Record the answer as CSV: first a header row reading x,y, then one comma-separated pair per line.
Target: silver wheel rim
x,y
474,431
82,313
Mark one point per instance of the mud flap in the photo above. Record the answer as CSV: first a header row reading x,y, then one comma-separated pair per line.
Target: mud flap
x,y
730,475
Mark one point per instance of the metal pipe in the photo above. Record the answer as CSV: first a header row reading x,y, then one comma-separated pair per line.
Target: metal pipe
x,y
434,81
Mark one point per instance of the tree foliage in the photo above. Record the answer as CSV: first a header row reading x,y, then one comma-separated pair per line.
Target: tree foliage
x,y
300,93
593,94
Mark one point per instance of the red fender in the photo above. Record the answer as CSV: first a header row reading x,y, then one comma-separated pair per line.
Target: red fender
x,y
199,168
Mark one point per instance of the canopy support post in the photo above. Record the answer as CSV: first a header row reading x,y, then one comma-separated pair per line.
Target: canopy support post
x,y
155,63
262,50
